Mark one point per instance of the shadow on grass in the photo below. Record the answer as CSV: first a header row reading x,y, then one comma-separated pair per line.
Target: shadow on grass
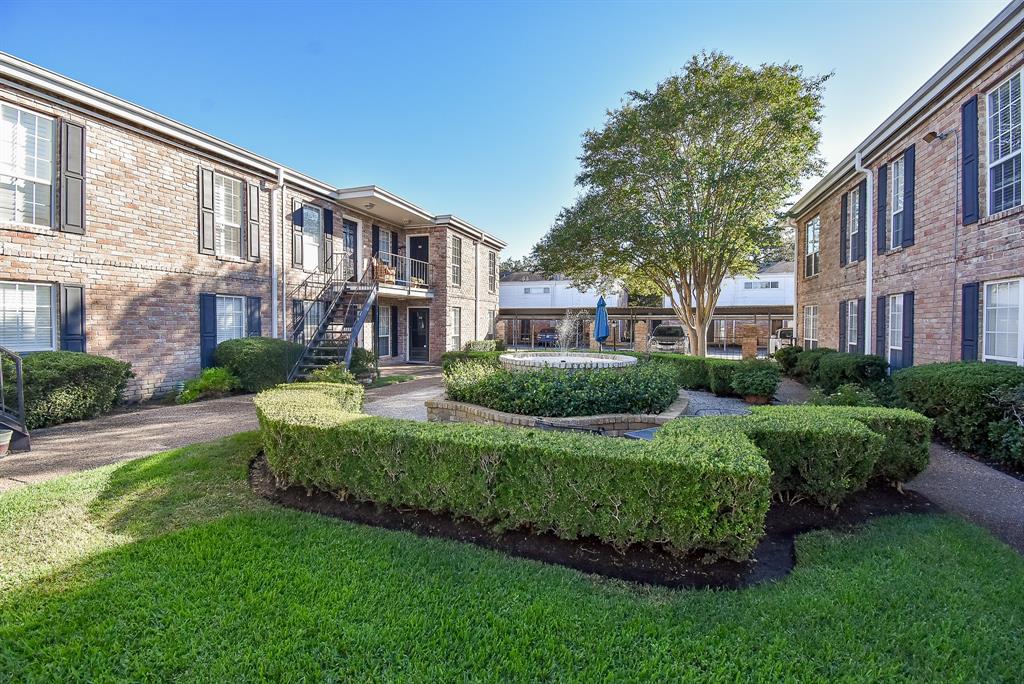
x,y
177,488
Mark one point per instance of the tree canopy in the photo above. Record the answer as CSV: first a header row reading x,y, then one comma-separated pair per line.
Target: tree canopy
x,y
684,184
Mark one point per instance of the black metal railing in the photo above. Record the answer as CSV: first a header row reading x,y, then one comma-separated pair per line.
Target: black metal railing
x,y
12,389
395,269
317,293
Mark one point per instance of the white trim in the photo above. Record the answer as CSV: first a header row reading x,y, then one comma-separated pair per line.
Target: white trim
x,y
54,313
989,162
218,298
901,160
814,309
54,152
1020,317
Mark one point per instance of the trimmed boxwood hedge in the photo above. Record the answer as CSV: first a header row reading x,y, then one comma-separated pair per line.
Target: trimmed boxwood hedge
x,y
490,358
484,346
839,369
807,363
704,491
551,392
958,397
257,362
64,386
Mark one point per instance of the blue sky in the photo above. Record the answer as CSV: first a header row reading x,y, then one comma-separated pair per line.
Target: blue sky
x,y
474,109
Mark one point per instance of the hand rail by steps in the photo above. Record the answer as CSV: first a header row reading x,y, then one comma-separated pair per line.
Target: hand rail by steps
x,y
12,413
321,283
371,298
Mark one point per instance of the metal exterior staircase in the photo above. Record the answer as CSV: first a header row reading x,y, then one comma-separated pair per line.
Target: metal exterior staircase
x,y
331,312
12,399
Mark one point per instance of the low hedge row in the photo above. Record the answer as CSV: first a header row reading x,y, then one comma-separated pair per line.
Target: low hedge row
x,y
959,398
484,346
490,358
825,452
698,372
257,362
643,388
704,491
63,386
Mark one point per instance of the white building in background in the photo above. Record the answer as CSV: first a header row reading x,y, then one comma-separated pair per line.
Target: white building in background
x,y
773,286
524,290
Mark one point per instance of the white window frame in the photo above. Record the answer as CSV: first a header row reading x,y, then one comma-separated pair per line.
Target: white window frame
x,y
384,245
852,314
221,226
53,314
456,336
815,255
384,325
852,223
492,272
51,182
994,161
895,323
456,258
1019,360
320,246
898,172
810,326
223,299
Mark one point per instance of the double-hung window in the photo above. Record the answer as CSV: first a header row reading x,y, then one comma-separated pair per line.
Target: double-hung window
x,y
27,317
895,334
384,331
227,215
1004,150
456,328
456,261
852,320
811,326
812,247
852,225
26,167
312,238
492,271
898,185
1002,321
230,317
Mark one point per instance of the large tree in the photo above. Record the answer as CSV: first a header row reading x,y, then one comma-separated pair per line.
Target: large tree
x,y
683,185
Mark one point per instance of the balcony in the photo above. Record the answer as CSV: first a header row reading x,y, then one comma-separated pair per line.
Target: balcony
x,y
397,274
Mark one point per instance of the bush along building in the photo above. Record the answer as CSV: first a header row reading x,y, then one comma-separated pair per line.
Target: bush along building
x,y
911,247
127,234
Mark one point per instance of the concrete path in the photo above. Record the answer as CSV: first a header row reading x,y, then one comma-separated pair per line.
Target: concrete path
x,y
403,400
979,493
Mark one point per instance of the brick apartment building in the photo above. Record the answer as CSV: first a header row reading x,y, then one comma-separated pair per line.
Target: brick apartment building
x,y
127,234
911,247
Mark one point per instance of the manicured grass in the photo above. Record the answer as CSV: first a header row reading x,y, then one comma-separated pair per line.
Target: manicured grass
x,y
385,380
167,568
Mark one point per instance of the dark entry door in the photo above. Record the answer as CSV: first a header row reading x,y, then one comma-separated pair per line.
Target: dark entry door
x,y
348,236
419,338
419,248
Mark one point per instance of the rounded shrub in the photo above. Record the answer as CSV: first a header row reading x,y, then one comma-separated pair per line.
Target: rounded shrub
x,y
644,388
363,361
806,367
212,383
787,356
257,362
845,369
959,398
483,346
490,358
756,379
63,386
845,395
334,372
720,375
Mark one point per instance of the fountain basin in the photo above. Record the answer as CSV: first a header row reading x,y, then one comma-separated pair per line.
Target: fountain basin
x,y
569,360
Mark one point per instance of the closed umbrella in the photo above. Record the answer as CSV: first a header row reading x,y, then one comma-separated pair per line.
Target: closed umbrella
x,y
601,322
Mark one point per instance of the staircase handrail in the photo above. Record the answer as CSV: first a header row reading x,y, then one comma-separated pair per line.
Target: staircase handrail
x,y
324,293
364,312
18,413
330,297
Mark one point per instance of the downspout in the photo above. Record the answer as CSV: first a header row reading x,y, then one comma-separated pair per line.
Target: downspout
x,y
273,255
284,271
869,247
476,290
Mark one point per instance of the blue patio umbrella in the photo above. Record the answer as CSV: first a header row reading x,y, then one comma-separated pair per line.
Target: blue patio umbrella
x,y
601,322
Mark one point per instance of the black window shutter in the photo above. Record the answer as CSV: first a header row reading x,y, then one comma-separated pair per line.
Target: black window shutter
x,y
394,331
375,319
296,233
969,176
298,331
253,324
880,326
207,241
842,327
883,189
844,204
253,221
328,241
72,318
862,221
375,247
72,178
207,328
861,325
969,318
908,330
908,196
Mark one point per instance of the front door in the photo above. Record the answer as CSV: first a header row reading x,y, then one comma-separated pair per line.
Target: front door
x,y
419,338
419,246
348,241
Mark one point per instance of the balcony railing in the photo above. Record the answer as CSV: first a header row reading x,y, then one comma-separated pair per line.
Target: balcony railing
x,y
402,271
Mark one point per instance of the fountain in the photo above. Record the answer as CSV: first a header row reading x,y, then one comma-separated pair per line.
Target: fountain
x,y
568,332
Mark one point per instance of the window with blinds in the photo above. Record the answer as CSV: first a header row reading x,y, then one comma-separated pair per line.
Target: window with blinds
x,y
1004,133
26,166
27,321
227,193
230,317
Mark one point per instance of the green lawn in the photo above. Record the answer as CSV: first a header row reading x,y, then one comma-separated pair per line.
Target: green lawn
x,y
167,568
385,380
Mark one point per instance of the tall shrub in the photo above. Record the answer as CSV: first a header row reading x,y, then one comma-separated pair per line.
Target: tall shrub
x,y
257,362
63,386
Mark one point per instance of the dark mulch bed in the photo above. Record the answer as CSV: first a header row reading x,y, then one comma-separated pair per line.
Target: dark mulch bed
x,y
773,558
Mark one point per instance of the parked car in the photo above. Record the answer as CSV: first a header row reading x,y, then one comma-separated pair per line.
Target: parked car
x,y
669,338
547,337
783,337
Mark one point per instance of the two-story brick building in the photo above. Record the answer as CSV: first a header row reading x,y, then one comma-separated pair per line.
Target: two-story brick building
x,y
911,247
128,234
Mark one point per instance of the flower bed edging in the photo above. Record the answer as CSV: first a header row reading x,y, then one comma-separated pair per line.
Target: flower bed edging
x,y
443,410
